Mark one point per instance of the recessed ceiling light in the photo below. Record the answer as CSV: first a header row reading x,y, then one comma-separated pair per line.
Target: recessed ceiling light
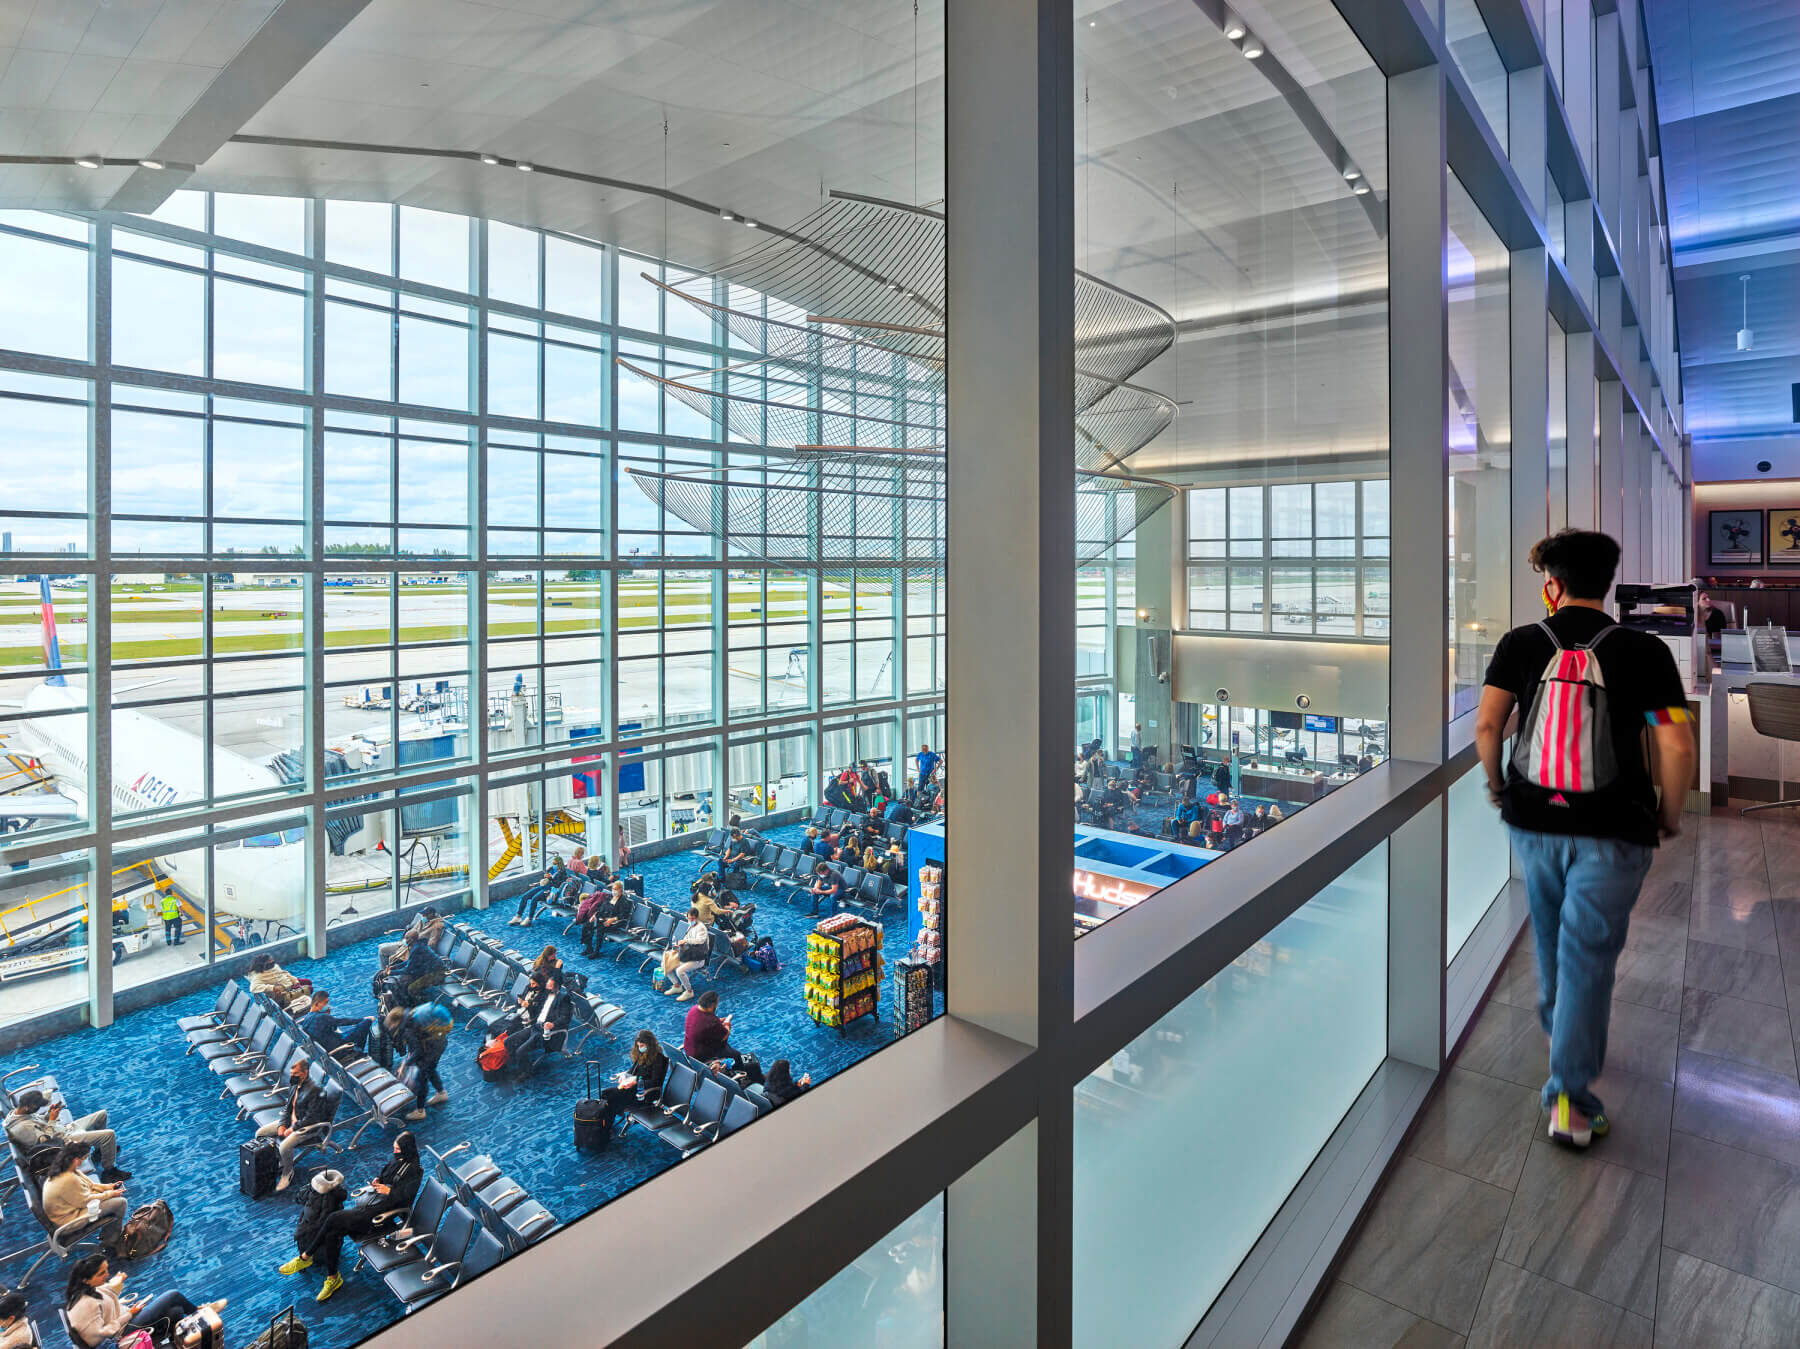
x,y
1252,47
90,161
1093,23
1360,187
523,167
490,159
1234,29
1352,173
150,163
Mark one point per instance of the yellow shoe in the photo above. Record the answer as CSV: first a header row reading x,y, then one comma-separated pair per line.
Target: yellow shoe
x,y
294,1266
333,1282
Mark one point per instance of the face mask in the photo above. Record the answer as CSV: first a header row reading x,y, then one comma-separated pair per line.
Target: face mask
x,y
1549,603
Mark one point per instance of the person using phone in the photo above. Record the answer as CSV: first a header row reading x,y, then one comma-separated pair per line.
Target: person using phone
x,y
98,1309
639,1084
69,1194
31,1131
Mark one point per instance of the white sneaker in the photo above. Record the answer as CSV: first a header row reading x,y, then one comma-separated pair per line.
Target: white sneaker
x,y
415,1114
439,1099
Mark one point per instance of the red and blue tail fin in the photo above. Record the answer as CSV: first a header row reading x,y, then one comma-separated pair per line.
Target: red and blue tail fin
x,y
52,652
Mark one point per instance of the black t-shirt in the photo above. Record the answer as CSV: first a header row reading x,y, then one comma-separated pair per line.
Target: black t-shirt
x,y
1642,681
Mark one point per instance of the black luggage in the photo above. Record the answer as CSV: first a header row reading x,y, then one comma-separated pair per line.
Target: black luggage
x,y
259,1160
592,1132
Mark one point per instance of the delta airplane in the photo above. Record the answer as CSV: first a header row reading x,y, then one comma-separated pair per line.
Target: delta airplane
x,y
156,765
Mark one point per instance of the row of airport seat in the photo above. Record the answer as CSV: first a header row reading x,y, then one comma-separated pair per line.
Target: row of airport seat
x,y
654,928
491,978
698,1105
467,1217
868,892
250,1041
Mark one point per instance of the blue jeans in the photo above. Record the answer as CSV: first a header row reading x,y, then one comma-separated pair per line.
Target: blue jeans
x,y
1581,892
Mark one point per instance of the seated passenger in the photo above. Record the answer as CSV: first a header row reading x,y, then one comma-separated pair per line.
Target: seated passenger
x,y
268,977
548,965
692,949
706,1035
416,974
303,1121
599,873
1259,820
68,1192
540,1027
324,1200
601,912
738,856
780,1085
534,898
427,926
1275,812
97,1312
824,888
31,1131
725,912
894,864
392,1191
642,1081
327,1029
578,860
15,1325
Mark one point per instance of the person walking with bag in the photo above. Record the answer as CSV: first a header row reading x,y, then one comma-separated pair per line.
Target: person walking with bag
x,y
1579,796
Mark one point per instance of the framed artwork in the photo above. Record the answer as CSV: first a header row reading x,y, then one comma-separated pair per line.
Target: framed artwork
x,y
1784,537
1735,538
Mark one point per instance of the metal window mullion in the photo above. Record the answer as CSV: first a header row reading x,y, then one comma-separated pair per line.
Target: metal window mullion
x,y
476,814
313,620
1418,373
99,636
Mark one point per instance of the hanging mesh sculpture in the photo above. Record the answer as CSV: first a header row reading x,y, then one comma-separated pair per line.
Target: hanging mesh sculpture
x,y
836,453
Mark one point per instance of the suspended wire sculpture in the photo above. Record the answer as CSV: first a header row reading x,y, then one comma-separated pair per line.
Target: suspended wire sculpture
x,y
835,454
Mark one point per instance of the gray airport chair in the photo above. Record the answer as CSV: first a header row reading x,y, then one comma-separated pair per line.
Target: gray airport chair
x,y
1774,712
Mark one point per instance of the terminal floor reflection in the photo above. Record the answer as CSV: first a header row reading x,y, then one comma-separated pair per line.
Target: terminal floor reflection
x,y
1681,1226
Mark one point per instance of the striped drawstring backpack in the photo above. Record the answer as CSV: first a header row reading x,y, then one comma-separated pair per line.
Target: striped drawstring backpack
x,y
1565,743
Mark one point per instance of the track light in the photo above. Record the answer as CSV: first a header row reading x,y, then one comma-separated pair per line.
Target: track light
x,y
1234,29
727,215
89,161
749,224
1352,173
1252,47
490,159
523,167
150,163
1360,188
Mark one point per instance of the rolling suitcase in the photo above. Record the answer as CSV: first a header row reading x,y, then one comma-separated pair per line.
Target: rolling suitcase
x,y
259,1160
592,1132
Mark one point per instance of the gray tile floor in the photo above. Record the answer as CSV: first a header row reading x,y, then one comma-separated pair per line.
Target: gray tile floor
x,y
1682,1227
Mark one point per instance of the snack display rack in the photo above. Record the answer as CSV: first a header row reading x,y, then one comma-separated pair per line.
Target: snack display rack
x,y
843,970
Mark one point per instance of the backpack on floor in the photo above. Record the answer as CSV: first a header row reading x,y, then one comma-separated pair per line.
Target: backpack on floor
x,y
1565,743
146,1231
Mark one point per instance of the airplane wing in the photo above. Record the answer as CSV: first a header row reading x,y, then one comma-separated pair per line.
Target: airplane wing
x,y
39,806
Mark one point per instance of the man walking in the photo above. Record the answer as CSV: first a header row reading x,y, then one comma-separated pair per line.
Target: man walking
x,y
1579,796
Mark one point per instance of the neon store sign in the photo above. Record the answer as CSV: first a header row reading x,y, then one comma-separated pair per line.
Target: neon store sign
x,y
1110,889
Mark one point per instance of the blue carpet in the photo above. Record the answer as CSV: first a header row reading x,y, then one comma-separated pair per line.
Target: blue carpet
x,y
180,1141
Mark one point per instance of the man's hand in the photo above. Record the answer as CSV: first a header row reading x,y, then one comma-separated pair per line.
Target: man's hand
x,y
1496,793
378,1187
